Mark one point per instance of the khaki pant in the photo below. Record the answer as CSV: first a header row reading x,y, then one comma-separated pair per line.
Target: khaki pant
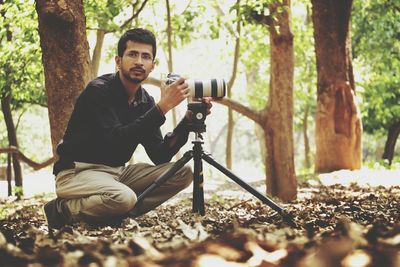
x,y
98,193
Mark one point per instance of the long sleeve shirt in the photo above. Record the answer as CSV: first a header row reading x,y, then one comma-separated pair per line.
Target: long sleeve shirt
x,y
105,129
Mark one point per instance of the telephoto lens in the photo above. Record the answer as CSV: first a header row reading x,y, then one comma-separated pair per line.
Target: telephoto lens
x,y
215,88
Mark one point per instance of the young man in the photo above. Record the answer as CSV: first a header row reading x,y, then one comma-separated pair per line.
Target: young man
x,y
112,116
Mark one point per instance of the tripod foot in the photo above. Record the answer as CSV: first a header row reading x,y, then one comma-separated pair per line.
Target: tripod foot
x,y
288,217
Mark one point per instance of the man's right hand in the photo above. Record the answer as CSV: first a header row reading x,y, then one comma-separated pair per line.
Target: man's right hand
x,y
173,94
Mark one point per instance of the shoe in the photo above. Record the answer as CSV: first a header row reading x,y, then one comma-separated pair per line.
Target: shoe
x,y
55,213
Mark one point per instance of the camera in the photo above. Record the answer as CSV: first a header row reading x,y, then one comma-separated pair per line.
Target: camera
x,y
215,88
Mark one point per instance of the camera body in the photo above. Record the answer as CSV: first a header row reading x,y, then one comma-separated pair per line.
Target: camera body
x,y
215,88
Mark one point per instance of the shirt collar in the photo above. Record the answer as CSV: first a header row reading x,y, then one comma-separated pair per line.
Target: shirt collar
x,y
140,96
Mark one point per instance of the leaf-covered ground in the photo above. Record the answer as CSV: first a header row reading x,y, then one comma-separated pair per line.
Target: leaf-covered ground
x,y
333,226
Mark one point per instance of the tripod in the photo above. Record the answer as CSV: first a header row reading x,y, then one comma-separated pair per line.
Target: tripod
x,y
197,154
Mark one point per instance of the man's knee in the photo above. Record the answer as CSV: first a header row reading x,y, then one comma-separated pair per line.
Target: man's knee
x,y
123,201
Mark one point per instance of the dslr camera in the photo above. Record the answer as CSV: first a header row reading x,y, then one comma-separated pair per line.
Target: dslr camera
x,y
215,88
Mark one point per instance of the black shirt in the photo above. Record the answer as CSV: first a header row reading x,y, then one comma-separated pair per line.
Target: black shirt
x,y
105,129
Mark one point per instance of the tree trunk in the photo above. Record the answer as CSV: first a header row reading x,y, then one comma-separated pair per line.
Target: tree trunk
x,y
307,160
229,138
95,62
9,174
12,139
170,63
276,119
259,132
231,82
278,126
65,56
393,134
338,122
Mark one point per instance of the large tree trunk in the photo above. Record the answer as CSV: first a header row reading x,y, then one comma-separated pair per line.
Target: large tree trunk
x,y
278,127
65,56
393,134
338,122
12,139
276,119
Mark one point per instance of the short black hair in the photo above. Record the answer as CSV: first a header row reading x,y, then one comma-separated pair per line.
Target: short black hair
x,y
138,35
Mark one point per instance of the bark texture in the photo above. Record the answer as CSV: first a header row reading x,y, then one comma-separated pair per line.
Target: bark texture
x,y
338,121
278,128
65,56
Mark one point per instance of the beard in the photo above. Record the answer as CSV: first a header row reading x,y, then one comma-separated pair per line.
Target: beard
x,y
135,80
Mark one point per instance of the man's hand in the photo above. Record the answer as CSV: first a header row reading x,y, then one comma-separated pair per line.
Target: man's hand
x,y
173,94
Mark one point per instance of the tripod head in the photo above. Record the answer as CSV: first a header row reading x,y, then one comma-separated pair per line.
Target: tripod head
x,y
199,114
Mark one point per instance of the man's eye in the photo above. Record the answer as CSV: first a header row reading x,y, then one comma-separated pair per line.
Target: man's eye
x,y
146,57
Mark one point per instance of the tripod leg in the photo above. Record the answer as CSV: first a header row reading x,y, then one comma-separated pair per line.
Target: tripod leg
x,y
198,181
168,174
243,184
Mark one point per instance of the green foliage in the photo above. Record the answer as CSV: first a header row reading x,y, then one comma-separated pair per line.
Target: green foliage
x,y
184,24
103,14
21,57
383,164
255,58
18,191
376,46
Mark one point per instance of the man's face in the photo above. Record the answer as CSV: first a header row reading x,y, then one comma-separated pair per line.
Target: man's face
x,y
137,62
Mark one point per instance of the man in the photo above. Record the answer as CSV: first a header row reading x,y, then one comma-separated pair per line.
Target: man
x,y
112,116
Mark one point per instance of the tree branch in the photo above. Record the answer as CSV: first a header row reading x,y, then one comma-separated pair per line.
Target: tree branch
x,y
153,81
36,166
242,109
134,15
236,106
237,48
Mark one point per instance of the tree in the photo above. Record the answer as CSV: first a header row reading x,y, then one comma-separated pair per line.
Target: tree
x,y
21,81
276,118
376,32
338,121
236,34
65,56
6,95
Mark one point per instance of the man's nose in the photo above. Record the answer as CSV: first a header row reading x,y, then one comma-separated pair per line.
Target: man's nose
x,y
139,60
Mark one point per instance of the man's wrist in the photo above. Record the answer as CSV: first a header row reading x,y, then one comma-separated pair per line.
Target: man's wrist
x,y
161,108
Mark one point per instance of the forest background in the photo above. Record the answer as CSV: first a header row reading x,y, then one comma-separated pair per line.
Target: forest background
x,y
204,44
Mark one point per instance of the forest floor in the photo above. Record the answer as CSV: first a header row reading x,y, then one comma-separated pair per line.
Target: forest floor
x,y
345,224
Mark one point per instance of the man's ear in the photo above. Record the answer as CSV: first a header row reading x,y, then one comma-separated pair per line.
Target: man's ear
x,y
118,62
